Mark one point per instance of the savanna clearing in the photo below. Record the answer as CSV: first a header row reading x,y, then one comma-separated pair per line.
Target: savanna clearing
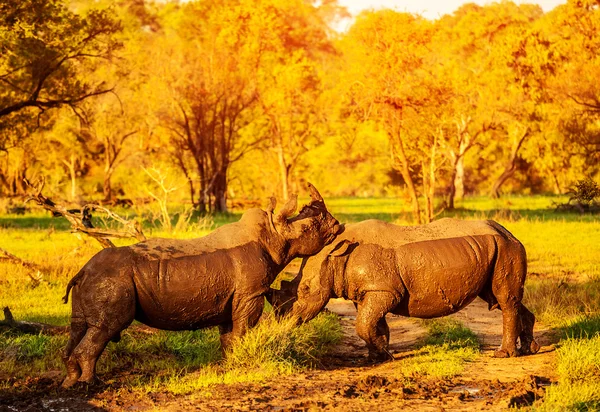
x,y
440,364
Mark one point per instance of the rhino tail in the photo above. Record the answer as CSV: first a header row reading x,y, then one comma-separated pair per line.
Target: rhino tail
x,y
72,283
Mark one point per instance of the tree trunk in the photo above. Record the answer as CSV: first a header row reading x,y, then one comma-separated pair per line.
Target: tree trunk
x,y
459,180
452,188
429,182
511,166
203,198
107,187
73,178
456,186
404,170
284,173
71,166
428,206
509,171
555,183
219,192
108,172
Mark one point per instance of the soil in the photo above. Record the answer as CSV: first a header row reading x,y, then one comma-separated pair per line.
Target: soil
x,y
345,380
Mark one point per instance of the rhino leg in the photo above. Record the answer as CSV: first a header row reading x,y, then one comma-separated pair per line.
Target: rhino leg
x,y
88,351
245,314
78,329
225,337
511,328
107,311
528,344
371,325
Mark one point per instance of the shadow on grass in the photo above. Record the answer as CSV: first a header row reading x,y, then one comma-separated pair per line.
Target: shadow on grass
x,y
459,213
544,214
33,222
585,327
41,222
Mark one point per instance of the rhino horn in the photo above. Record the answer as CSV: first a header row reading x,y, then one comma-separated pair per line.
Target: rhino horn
x,y
314,193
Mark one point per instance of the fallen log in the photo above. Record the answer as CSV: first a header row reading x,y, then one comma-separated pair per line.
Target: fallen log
x,y
31,328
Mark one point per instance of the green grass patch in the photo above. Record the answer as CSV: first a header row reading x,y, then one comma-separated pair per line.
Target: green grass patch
x,y
578,397
162,351
445,352
578,360
578,367
582,327
272,348
24,355
446,331
559,303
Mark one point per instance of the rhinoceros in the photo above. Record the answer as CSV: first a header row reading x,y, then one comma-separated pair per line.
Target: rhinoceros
x,y
423,271
217,280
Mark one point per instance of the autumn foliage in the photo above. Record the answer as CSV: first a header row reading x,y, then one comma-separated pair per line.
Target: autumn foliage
x,y
238,99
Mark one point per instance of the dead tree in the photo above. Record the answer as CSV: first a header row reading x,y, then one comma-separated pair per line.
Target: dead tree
x,y
81,219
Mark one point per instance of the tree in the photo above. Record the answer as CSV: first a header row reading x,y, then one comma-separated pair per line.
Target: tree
x,y
210,90
45,51
473,48
392,80
571,34
105,129
295,43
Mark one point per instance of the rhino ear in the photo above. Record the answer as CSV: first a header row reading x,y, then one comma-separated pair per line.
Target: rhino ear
x,y
288,209
271,205
270,209
343,248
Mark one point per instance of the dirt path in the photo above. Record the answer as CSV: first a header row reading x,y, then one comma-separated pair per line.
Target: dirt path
x,y
346,381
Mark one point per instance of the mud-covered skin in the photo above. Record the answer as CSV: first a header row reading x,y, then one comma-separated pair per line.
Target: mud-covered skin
x,y
421,271
218,280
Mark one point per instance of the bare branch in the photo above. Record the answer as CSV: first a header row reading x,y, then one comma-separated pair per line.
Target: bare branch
x,y
81,219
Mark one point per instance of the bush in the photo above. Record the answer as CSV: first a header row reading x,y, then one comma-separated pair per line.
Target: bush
x,y
285,344
583,195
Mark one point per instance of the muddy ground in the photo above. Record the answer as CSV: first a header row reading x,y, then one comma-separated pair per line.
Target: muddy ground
x,y
345,381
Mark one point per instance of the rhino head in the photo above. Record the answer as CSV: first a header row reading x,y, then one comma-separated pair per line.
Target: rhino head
x,y
306,233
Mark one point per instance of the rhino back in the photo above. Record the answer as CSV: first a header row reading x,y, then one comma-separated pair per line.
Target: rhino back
x,y
224,238
389,235
442,276
195,291
443,265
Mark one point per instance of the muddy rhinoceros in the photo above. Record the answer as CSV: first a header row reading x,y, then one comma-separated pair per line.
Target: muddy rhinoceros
x,y
421,271
217,280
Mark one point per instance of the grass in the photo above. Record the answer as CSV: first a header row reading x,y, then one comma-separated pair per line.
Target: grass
x,y
558,302
181,362
563,290
26,355
273,348
446,350
578,353
578,367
